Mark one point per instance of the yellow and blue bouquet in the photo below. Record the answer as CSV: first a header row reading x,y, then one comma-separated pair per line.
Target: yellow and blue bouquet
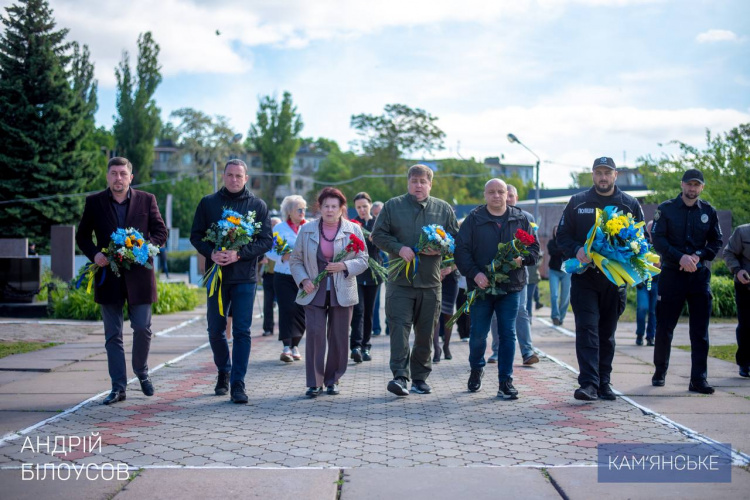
x,y
618,248
280,245
126,247
433,237
231,232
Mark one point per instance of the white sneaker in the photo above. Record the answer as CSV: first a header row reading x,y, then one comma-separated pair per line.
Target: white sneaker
x,y
286,355
295,353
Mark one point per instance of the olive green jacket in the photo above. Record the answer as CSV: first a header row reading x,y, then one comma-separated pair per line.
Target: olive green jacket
x,y
400,224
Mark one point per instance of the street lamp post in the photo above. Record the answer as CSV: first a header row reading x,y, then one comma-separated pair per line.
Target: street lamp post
x,y
512,138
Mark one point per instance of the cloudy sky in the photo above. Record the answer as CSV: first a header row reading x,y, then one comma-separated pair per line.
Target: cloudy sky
x,y
573,79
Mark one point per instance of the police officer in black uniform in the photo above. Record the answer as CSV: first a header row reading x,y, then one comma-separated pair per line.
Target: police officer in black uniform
x,y
597,302
686,233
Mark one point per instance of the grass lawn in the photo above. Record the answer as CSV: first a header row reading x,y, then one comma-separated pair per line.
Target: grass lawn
x,y
9,348
725,352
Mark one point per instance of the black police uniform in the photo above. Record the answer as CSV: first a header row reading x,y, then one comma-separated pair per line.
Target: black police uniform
x,y
597,302
679,230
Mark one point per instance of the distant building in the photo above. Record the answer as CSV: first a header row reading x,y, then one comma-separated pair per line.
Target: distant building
x,y
506,170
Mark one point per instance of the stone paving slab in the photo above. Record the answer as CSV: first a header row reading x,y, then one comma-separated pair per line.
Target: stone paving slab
x,y
14,487
168,484
365,426
582,483
433,483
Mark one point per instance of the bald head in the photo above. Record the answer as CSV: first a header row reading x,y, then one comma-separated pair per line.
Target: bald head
x,y
496,194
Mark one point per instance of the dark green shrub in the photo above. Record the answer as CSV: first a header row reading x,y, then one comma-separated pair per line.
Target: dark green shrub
x,y
179,262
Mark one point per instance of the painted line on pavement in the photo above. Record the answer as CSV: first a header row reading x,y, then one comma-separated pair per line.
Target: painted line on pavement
x,y
738,458
12,436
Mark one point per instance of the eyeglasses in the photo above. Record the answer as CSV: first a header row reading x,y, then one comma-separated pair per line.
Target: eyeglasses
x,y
300,210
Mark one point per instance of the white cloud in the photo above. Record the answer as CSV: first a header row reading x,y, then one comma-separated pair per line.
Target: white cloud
x,y
712,36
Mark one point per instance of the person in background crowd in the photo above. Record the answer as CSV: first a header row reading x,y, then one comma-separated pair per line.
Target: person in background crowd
x,y
328,306
368,287
269,296
646,304
559,281
737,257
291,314
376,329
449,290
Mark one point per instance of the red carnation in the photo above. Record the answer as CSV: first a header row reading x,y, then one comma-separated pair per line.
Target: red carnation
x,y
356,222
355,244
525,238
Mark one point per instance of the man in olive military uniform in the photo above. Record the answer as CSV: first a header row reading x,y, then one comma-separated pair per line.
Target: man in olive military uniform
x,y
413,300
687,235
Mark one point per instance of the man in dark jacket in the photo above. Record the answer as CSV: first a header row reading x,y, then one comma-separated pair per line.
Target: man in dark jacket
x,y
119,206
559,281
687,235
238,276
597,302
482,230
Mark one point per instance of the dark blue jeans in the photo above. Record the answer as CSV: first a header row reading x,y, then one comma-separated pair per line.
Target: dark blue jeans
x,y
646,308
242,298
506,309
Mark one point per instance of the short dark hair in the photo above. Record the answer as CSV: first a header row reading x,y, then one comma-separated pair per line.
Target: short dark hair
x,y
331,192
419,170
363,196
119,161
236,161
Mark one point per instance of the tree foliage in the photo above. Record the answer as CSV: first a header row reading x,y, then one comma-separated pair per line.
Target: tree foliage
x,y
725,163
138,122
186,193
275,135
399,131
206,139
48,144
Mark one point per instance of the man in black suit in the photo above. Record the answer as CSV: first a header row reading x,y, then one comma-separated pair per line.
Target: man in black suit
x,y
119,206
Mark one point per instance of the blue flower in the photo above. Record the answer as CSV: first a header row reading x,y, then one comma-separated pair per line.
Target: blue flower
x,y
225,224
230,213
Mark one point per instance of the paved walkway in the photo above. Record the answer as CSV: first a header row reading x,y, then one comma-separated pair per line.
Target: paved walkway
x,y
366,442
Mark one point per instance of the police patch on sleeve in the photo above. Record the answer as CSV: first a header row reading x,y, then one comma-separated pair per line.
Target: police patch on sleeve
x,y
704,218
657,214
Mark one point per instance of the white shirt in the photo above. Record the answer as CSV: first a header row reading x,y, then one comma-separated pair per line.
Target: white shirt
x,y
285,231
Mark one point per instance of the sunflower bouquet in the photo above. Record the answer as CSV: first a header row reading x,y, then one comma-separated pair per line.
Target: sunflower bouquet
x,y
231,232
127,247
433,237
618,247
497,271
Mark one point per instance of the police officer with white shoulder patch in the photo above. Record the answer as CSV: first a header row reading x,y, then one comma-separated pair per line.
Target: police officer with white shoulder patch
x,y
686,233
597,302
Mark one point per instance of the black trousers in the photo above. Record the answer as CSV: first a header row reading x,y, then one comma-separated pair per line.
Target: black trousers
x,y
464,322
597,305
742,297
291,314
362,317
268,299
676,287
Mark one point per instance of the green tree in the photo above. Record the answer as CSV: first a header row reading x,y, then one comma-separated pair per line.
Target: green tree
x,y
275,135
400,130
138,122
725,163
47,103
186,192
206,139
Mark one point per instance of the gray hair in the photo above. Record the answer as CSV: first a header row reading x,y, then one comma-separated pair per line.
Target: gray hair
x,y
512,188
378,204
236,161
288,204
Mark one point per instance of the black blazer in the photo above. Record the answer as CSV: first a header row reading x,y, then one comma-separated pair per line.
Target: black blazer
x,y
99,219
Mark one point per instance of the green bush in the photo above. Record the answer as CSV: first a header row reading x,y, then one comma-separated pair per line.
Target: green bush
x,y
69,302
179,262
49,281
719,268
722,289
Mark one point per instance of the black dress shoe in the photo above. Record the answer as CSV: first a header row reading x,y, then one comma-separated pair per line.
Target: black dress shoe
x,y
366,355
659,379
114,397
267,334
701,387
649,341
222,384
398,386
333,390
605,392
356,355
639,340
313,392
475,380
238,394
745,371
586,393
146,386
420,387
447,352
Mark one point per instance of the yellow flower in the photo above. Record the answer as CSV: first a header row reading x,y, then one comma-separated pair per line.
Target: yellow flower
x,y
233,220
440,233
128,242
140,243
